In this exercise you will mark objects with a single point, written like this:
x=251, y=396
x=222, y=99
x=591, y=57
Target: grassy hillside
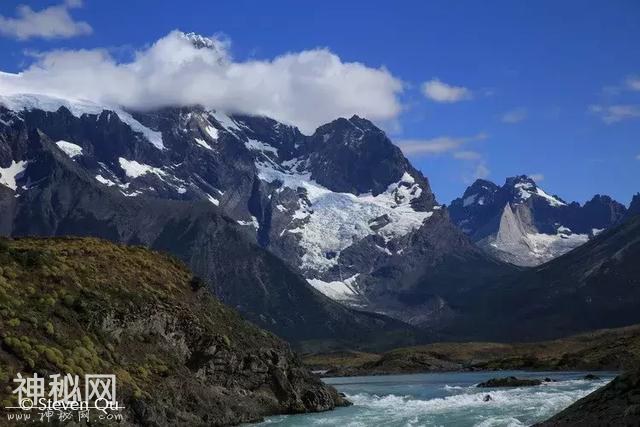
x=609, y=349
x=87, y=306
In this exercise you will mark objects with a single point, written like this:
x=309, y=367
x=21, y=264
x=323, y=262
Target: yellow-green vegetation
x=49, y=289
x=609, y=349
x=80, y=306
x=341, y=359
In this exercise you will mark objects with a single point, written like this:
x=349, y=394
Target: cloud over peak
x=439, y=91
x=49, y=23
x=306, y=88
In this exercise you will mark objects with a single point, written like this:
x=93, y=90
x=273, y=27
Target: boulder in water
x=509, y=382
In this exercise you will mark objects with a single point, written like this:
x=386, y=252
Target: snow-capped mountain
x=522, y=224
x=171, y=180
x=342, y=206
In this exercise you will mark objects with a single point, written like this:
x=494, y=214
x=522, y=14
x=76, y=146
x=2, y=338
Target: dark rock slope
x=616, y=404
x=80, y=306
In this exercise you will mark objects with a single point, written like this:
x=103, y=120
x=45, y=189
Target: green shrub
x=49, y=328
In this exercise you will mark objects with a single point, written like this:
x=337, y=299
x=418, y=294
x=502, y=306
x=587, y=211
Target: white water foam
x=431, y=400
x=541, y=401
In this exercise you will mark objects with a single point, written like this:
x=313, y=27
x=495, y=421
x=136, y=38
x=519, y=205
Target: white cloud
x=514, y=116
x=439, y=91
x=616, y=113
x=474, y=164
x=633, y=82
x=307, y=88
x=51, y=22
x=481, y=171
x=439, y=145
x=467, y=155
x=537, y=177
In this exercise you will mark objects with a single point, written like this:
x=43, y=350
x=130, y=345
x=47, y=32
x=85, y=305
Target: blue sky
x=546, y=88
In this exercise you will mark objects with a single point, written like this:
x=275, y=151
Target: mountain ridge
x=520, y=223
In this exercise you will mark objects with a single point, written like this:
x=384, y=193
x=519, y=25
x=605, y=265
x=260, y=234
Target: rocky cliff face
x=181, y=358
x=522, y=224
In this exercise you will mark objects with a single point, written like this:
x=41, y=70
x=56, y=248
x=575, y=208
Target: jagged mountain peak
x=483, y=183
x=355, y=126
x=634, y=206
x=364, y=124
x=603, y=211
x=601, y=198
x=519, y=179
x=479, y=191
x=199, y=41
x=523, y=188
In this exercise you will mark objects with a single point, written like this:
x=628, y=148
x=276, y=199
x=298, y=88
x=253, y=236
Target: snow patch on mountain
x=527, y=189
x=102, y=180
x=203, y=143
x=10, y=174
x=338, y=290
x=212, y=132
x=226, y=122
x=254, y=222
x=253, y=144
x=20, y=102
x=134, y=169
x=333, y=221
x=70, y=149
x=548, y=246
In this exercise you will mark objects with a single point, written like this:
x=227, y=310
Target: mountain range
x=329, y=240
x=522, y=224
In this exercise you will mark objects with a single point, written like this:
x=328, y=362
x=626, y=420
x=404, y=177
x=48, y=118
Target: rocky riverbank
x=180, y=357
x=616, y=404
